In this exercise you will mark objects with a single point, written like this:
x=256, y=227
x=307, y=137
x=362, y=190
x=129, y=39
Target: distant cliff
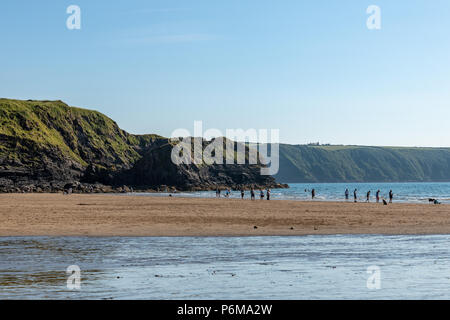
x=46, y=145
x=304, y=163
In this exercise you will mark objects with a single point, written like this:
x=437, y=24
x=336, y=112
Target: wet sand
x=122, y=215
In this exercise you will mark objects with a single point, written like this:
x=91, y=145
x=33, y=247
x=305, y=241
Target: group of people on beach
x=355, y=195
x=262, y=195
x=266, y=195
x=377, y=196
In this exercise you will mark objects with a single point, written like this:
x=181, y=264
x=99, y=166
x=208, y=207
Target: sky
x=311, y=69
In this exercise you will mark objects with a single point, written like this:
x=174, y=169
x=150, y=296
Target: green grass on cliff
x=83, y=135
x=304, y=163
x=21, y=121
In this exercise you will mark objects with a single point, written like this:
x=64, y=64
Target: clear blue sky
x=310, y=68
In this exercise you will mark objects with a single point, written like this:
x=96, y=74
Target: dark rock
x=87, y=152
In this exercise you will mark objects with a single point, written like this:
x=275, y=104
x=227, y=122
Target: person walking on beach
x=391, y=196
x=261, y=194
x=313, y=193
x=252, y=193
x=378, y=196
x=346, y=194
x=268, y=194
x=368, y=196
x=242, y=193
x=355, y=195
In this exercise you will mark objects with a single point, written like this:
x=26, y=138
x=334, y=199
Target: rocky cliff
x=46, y=145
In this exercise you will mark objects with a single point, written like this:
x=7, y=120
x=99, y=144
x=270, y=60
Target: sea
x=403, y=192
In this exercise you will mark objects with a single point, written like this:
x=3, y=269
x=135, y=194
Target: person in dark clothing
x=355, y=195
x=368, y=196
x=268, y=194
x=391, y=196
x=378, y=196
x=252, y=193
x=346, y=194
x=242, y=193
x=261, y=194
x=313, y=193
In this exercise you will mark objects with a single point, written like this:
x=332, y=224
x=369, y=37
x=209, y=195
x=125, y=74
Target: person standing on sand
x=368, y=196
x=242, y=193
x=391, y=196
x=252, y=193
x=313, y=193
x=268, y=194
x=346, y=194
x=261, y=194
x=355, y=195
x=378, y=196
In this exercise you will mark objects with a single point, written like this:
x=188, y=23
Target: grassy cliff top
x=331, y=163
x=80, y=134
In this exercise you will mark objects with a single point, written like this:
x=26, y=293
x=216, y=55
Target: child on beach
x=268, y=194
x=378, y=196
x=261, y=194
x=242, y=193
x=368, y=196
x=346, y=194
x=252, y=194
x=355, y=195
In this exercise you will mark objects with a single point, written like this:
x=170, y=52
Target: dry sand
x=120, y=215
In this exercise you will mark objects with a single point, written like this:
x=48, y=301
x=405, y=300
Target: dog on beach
x=433, y=201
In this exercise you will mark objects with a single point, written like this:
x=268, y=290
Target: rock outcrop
x=47, y=145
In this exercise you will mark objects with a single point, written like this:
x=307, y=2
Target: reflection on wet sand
x=308, y=267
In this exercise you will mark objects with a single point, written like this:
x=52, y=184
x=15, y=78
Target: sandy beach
x=120, y=215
